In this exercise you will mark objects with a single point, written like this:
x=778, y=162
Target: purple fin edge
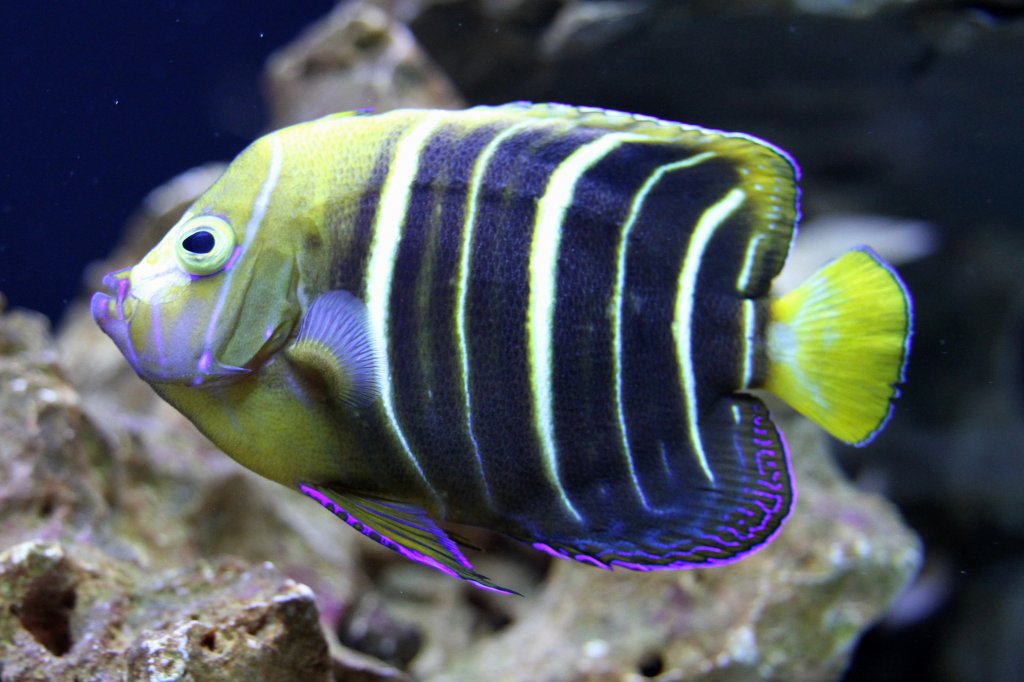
x=369, y=532
x=683, y=563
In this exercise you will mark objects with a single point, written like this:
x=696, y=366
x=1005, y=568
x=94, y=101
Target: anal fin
x=402, y=527
x=709, y=523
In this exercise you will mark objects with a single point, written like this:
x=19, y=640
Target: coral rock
x=73, y=613
x=358, y=57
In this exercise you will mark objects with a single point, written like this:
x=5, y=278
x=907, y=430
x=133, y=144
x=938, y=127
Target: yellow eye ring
x=205, y=244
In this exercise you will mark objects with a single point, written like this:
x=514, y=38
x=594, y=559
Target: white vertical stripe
x=749, y=331
x=743, y=281
x=617, y=295
x=682, y=323
x=387, y=234
x=252, y=228
x=547, y=235
x=462, y=287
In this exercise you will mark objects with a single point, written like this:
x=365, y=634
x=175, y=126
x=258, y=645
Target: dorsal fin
x=768, y=182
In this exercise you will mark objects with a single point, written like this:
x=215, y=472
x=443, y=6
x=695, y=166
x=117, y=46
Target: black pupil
x=199, y=242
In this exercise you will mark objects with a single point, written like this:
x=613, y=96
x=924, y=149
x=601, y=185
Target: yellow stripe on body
x=547, y=234
x=387, y=233
x=462, y=286
x=709, y=221
x=616, y=303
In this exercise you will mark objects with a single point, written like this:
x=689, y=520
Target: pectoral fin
x=402, y=527
x=334, y=345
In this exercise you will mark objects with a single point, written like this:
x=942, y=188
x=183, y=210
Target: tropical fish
x=537, y=319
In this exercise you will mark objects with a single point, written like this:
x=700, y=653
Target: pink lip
x=104, y=306
x=109, y=311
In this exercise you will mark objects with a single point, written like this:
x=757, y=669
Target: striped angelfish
x=537, y=319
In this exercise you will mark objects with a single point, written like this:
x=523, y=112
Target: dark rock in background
x=902, y=105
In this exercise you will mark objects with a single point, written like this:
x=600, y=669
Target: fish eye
x=199, y=243
x=205, y=244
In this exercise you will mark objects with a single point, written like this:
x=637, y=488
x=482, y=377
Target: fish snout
x=117, y=302
x=112, y=309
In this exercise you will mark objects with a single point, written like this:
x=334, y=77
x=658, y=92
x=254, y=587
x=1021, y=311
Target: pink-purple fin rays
x=334, y=343
x=402, y=527
x=740, y=514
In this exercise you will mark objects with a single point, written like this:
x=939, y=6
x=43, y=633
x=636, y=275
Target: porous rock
x=75, y=613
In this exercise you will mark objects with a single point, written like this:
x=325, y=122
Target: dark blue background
x=104, y=101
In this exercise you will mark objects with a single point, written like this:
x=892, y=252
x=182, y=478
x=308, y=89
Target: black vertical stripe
x=353, y=243
x=496, y=313
x=653, y=400
x=592, y=462
x=427, y=393
x=348, y=270
x=411, y=367
x=717, y=322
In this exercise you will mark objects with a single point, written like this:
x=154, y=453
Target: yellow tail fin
x=838, y=345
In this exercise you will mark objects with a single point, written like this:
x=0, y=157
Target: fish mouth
x=108, y=306
x=156, y=354
x=112, y=310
